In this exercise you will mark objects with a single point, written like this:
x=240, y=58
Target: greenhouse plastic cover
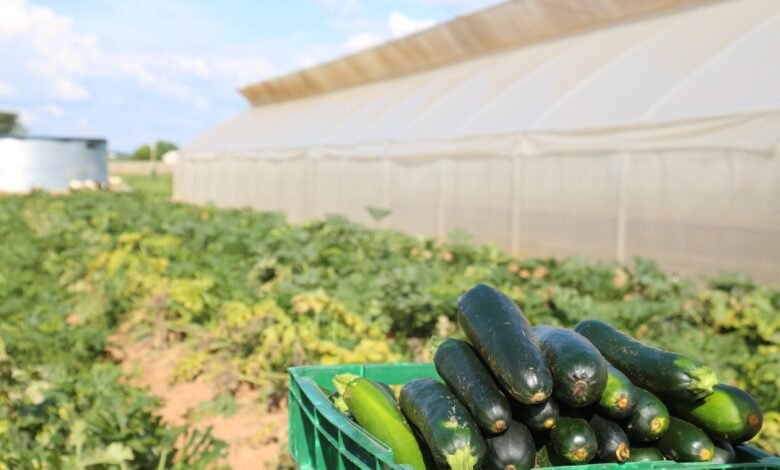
x=607, y=132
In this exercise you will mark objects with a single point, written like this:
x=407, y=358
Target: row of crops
x=248, y=295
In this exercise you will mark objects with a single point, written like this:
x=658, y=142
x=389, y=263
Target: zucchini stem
x=341, y=381
x=702, y=380
x=462, y=459
x=622, y=453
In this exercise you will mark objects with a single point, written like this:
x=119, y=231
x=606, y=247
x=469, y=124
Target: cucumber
x=685, y=442
x=573, y=440
x=380, y=416
x=611, y=439
x=729, y=414
x=619, y=397
x=664, y=373
x=466, y=376
x=724, y=453
x=512, y=450
x=445, y=424
x=501, y=334
x=579, y=371
x=539, y=417
x=645, y=454
x=650, y=418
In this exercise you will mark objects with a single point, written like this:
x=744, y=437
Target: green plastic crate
x=322, y=438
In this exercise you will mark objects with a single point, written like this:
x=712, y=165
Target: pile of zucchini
x=516, y=396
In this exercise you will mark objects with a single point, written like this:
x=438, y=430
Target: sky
x=135, y=71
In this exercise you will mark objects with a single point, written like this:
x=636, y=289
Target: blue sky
x=136, y=71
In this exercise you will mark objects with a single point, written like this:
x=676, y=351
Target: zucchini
x=541, y=441
x=554, y=458
x=445, y=424
x=685, y=442
x=645, y=454
x=579, y=371
x=619, y=397
x=664, y=373
x=650, y=418
x=724, y=453
x=502, y=336
x=729, y=414
x=512, y=450
x=426, y=452
x=539, y=417
x=380, y=416
x=384, y=388
x=611, y=439
x=573, y=440
x=542, y=457
x=466, y=376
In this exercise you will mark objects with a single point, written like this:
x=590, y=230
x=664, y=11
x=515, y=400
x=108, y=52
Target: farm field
x=141, y=333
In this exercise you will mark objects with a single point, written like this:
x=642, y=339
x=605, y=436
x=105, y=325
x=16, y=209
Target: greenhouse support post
x=441, y=216
x=515, y=205
x=620, y=224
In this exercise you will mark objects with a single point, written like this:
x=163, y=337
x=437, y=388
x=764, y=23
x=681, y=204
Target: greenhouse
x=596, y=127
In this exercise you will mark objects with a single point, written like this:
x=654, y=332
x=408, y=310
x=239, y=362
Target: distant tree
x=10, y=125
x=144, y=152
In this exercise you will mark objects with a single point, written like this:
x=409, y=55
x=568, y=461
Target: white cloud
x=363, y=41
x=239, y=70
x=68, y=90
x=27, y=118
x=7, y=90
x=54, y=110
x=461, y=4
x=196, y=66
x=342, y=7
x=150, y=71
x=13, y=17
x=401, y=25
x=396, y=26
x=47, y=46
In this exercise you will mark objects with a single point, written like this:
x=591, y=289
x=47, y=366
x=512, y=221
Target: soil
x=254, y=435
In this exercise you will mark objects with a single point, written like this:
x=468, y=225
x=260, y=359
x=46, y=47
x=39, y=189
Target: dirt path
x=254, y=435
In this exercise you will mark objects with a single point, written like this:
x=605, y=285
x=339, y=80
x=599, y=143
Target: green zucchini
x=466, y=376
x=542, y=457
x=380, y=416
x=539, y=417
x=645, y=454
x=445, y=424
x=729, y=414
x=724, y=453
x=426, y=452
x=685, y=442
x=573, y=440
x=501, y=334
x=384, y=388
x=619, y=397
x=554, y=458
x=541, y=441
x=664, y=373
x=579, y=371
x=612, y=440
x=650, y=418
x=512, y=450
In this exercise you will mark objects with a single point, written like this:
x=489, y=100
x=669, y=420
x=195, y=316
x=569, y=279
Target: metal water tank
x=50, y=162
